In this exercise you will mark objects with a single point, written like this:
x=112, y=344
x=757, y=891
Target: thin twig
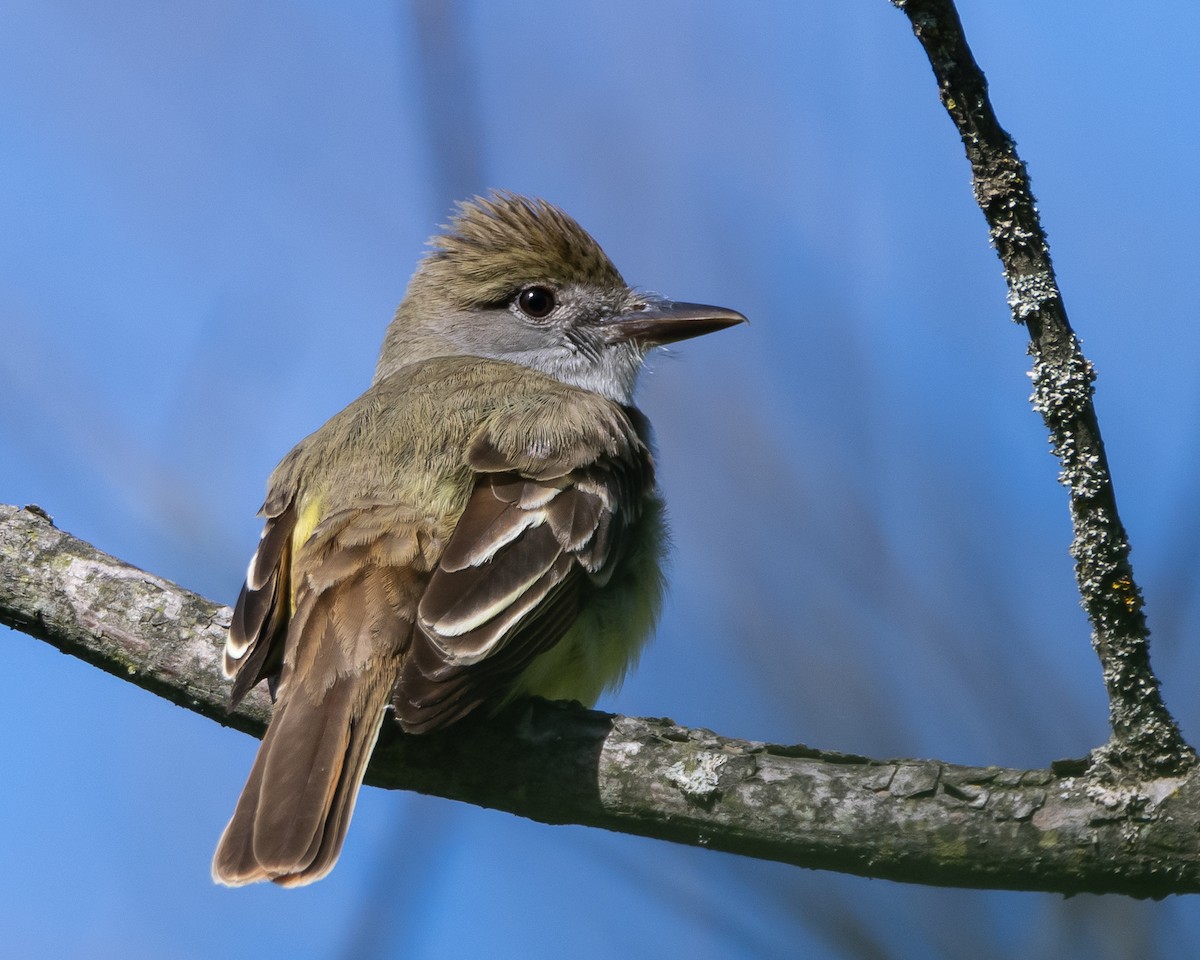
x=1145, y=738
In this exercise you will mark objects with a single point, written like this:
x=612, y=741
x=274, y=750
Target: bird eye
x=537, y=302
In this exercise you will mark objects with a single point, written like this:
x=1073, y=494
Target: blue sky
x=208, y=216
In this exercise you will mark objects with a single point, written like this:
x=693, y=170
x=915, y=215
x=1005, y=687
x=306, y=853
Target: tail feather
x=328, y=841
x=234, y=864
x=291, y=819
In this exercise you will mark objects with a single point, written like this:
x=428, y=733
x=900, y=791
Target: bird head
x=516, y=279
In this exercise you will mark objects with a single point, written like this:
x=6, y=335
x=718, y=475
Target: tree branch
x=1145, y=741
x=913, y=820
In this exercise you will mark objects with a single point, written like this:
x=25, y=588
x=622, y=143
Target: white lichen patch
x=1141, y=800
x=626, y=749
x=1062, y=385
x=1028, y=294
x=698, y=777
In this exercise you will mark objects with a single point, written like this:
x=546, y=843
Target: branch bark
x=1145, y=740
x=920, y=821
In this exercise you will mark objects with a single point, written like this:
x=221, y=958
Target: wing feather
x=541, y=530
x=254, y=647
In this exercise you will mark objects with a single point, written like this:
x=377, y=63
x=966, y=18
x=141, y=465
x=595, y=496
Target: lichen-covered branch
x=125, y=621
x=1145, y=738
x=919, y=821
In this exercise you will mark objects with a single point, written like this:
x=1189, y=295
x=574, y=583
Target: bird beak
x=663, y=321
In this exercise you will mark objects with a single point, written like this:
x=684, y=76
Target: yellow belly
x=607, y=638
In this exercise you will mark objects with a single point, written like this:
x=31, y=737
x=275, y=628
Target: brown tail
x=292, y=816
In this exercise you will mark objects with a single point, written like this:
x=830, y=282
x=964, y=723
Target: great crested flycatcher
x=482, y=523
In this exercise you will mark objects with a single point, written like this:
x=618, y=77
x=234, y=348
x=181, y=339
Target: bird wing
x=254, y=647
x=545, y=524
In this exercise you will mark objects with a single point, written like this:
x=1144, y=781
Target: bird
x=481, y=524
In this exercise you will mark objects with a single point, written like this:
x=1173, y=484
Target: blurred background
x=208, y=213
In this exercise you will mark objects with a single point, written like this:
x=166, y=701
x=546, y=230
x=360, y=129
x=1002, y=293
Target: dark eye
x=537, y=302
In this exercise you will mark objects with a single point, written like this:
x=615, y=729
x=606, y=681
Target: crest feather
x=503, y=239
